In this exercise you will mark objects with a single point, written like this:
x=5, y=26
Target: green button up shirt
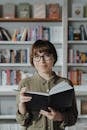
x=32, y=120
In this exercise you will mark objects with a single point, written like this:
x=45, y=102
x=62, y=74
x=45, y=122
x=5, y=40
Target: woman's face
x=43, y=62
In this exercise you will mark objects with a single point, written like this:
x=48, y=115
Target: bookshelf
x=7, y=94
x=76, y=63
x=63, y=66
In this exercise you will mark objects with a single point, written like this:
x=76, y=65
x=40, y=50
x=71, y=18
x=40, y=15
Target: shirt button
x=49, y=127
x=47, y=90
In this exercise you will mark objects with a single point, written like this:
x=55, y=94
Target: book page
x=38, y=93
x=60, y=87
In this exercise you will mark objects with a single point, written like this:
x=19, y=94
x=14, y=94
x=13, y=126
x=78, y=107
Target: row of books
x=22, y=56
x=52, y=33
x=76, y=56
x=12, y=77
x=13, y=56
x=77, y=33
x=77, y=77
x=27, y=10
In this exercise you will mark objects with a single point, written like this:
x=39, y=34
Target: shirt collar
x=53, y=78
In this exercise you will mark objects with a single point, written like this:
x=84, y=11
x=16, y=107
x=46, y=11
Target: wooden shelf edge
x=29, y=20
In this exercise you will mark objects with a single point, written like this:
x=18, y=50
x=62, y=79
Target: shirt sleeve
x=22, y=119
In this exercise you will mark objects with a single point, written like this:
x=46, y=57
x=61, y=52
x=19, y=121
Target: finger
x=25, y=99
x=45, y=113
x=50, y=109
x=23, y=90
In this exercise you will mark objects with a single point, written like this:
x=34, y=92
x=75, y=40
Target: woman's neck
x=46, y=76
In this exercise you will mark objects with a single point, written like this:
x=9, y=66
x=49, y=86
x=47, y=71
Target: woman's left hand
x=52, y=115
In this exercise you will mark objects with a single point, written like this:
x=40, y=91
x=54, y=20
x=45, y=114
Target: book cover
x=85, y=10
x=46, y=33
x=60, y=56
x=74, y=76
x=4, y=34
x=23, y=10
x=9, y=10
x=56, y=34
x=1, y=12
x=84, y=78
x=59, y=97
x=77, y=10
x=53, y=11
x=39, y=10
x=24, y=35
x=83, y=106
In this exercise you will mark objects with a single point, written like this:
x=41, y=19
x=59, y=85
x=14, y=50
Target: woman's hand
x=52, y=115
x=22, y=100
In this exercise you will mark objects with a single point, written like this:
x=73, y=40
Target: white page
x=60, y=87
x=38, y=93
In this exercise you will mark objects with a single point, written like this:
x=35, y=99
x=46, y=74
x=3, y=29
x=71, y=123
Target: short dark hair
x=42, y=46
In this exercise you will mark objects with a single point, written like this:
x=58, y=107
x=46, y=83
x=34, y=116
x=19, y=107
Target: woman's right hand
x=24, y=98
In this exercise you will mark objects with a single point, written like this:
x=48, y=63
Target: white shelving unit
x=7, y=94
x=74, y=45
x=6, y=91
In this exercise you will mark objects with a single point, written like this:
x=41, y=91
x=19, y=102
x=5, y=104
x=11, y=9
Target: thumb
x=50, y=109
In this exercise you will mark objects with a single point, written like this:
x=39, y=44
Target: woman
x=43, y=57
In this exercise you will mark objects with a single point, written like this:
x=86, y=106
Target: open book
x=59, y=97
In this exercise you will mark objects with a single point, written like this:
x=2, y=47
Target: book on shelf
x=60, y=56
x=84, y=78
x=46, y=33
x=56, y=34
x=4, y=34
x=85, y=11
x=23, y=10
x=1, y=7
x=83, y=57
x=77, y=10
x=59, y=97
x=24, y=35
x=53, y=11
x=9, y=10
x=75, y=76
x=39, y=10
x=83, y=106
x=14, y=35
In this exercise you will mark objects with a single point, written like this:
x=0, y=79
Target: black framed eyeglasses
x=45, y=57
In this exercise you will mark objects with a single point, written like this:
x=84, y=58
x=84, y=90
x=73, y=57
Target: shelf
x=77, y=42
x=8, y=90
x=9, y=117
x=22, y=43
x=80, y=90
x=77, y=19
x=77, y=64
x=21, y=65
x=29, y=20
x=15, y=64
x=82, y=117
x=16, y=42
